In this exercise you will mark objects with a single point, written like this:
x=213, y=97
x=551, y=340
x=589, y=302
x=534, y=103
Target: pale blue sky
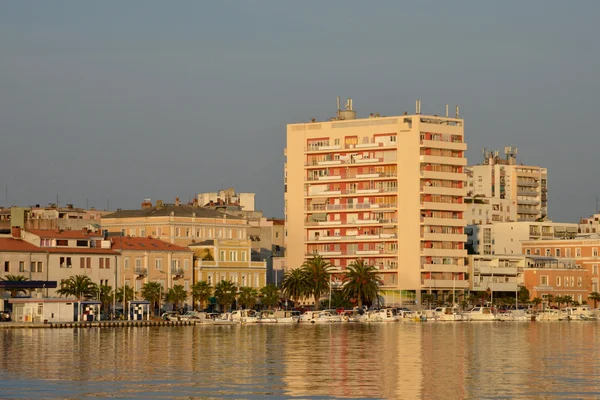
x=126, y=100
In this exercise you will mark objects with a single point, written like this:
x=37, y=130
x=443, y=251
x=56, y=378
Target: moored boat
x=482, y=314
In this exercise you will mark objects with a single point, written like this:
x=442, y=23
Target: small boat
x=245, y=316
x=317, y=317
x=482, y=314
x=383, y=315
x=268, y=317
x=551, y=314
x=286, y=317
x=580, y=313
x=450, y=314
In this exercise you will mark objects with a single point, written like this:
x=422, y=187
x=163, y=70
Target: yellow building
x=228, y=260
x=146, y=260
x=176, y=223
x=388, y=190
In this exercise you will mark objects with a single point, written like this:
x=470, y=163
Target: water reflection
x=431, y=360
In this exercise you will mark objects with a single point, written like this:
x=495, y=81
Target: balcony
x=353, y=253
x=141, y=272
x=350, y=192
x=444, y=237
x=444, y=268
x=443, y=160
x=524, y=210
x=441, y=144
x=528, y=202
x=177, y=272
x=496, y=286
x=334, y=238
x=443, y=252
x=444, y=283
x=487, y=270
x=366, y=145
x=349, y=161
x=527, y=193
x=441, y=190
x=427, y=205
x=453, y=176
x=350, y=207
x=527, y=183
x=443, y=221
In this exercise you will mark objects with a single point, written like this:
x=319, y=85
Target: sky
x=108, y=103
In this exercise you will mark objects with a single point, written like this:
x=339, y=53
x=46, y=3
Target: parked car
x=5, y=316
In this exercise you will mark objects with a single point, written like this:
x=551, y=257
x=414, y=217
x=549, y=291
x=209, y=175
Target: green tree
x=559, y=300
x=428, y=298
x=225, y=292
x=78, y=286
x=361, y=282
x=129, y=294
x=247, y=297
x=316, y=271
x=176, y=295
x=295, y=285
x=550, y=299
x=15, y=278
x=201, y=292
x=595, y=297
x=152, y=292
x=536, y=301
x=105, y=295
x=567, y=300
x=523, y=295
x=269, y=295
x=339, y=300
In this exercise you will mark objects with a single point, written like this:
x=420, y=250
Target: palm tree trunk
x=317, y=298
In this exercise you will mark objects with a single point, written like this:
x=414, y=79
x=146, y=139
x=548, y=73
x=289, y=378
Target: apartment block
x=520, y=190
x=175, y=223
x=388, y=190
x=558, y=276
x=496, y=273
x=507, y=237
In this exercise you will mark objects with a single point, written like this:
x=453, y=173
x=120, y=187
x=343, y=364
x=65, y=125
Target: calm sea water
x=399, y=361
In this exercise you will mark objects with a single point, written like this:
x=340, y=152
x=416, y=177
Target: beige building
x=388, y=190
x=245, y=201
x=507, y=237
x=175, y=223
x=228, y=260
x=520, y=191
x=496, y=273
x=146, y=260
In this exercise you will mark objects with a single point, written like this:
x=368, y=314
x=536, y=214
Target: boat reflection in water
x=383, y=360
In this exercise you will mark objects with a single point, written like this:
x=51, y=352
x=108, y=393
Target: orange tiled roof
x=143, y=243
x=78, y=250
x=63, y=234
x=18, y=245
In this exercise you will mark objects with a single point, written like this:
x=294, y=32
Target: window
x=62, y=242
x=557, y=252
x=158, y=264
x=243, y=279
x=595, y=252
x=209, y=279
x=243, y=256
x=256, y=280
x=222, y=255
x=138, y=263
x=126, y=263
x=233, y=256
x=132, y=232
x=537, y=252
x=566, y=281
x=61, y=262
x=544, y=280
x=547, y=252
x=393, y=139
x=187, y=232
x=159, y=231
x=6, y=266
x=595, y=269
x=81, y=262
x=107, y=263
x=177, y=231
x=186, y=285
x=39, y=266
x=528, y=251
x=558, y=281
x=21, y=266
x=229, y=233
x=186, y=264
x=88, y=262
x=69, y=263
x=567, y=252
x=82, y=243
x=572, y=281
x=32, y=267
x=579, y=281
x=578, y=252
x=142, y=232
x=101, y=263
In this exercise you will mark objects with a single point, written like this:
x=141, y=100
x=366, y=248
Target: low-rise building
x=496, y=273
x=506, y=237
x=146, y=260
x=228, y=260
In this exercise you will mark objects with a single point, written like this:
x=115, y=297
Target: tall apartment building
x=388, y=190
x=519, y=192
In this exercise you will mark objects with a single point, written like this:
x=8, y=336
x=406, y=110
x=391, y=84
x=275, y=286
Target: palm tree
x=340, y=300
x=361, y=282
x=152, y=292
x=15, y=278
x=247, y=297
x=316, y=271
x=523, y=295
x=225, y=292
x=269, y=295
x=201, y=291
x=177, y=294
x=295, y=285
x=595, y=297
x=105, y=295
x=78, y=286
x=550, y=299
x=536, y=301
x=559, y=300
x=129, y=293
x=567, y=300
x=428, y=298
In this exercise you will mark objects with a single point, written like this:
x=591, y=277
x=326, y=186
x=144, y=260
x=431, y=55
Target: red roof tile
x=79, y=250
x=143, y=243
x=18, y=245
x=63, y=234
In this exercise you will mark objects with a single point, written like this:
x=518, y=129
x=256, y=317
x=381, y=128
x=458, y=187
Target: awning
x=319, y=201
x=318, y=217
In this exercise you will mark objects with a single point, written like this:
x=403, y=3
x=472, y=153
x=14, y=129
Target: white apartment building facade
x=388, y=190
x=519, y=191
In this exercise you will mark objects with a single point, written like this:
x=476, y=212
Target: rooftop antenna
x=446, y=110
x=457, y=111
x=418, y=107
x=338, y=105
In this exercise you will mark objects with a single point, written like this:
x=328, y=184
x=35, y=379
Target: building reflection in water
x=397, y=360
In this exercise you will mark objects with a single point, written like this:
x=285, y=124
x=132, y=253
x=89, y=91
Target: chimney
x=176, y=201
x=147, y=203
x=16, y=232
